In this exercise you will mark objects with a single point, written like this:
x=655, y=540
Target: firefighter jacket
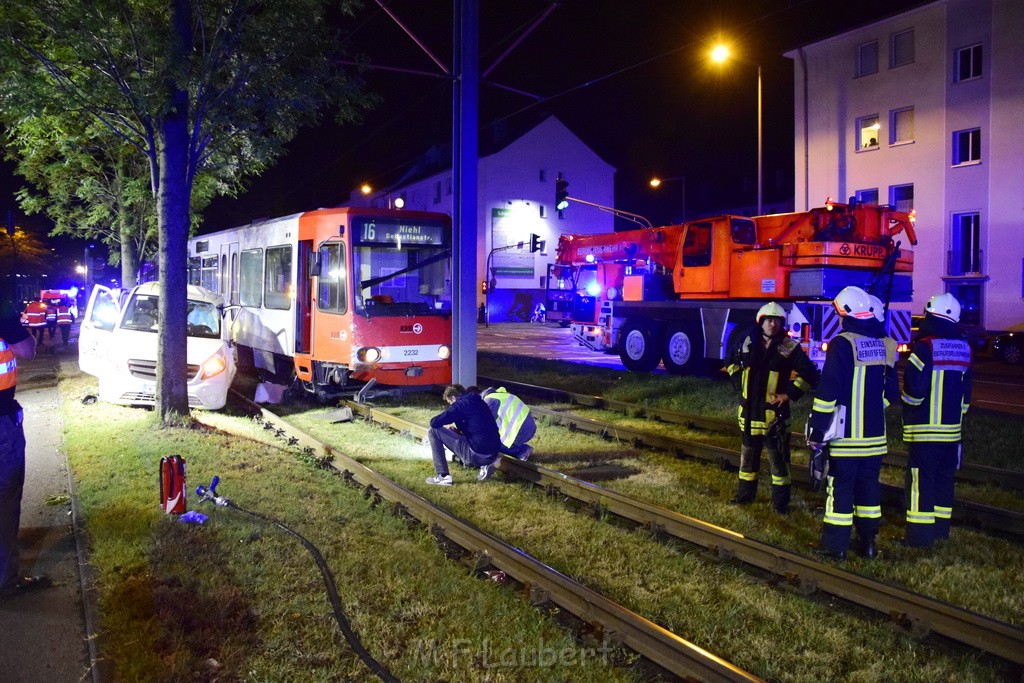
x=8, y=367
x=858, y=381
x=51, y=314
x=511, y=414
x=34, y=315
x=782, y=367
x=936, y=384
x=64, y=316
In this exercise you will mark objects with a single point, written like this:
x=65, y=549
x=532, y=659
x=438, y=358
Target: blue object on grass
x=193, y=517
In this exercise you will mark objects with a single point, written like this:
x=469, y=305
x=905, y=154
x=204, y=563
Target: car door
x=94, y=336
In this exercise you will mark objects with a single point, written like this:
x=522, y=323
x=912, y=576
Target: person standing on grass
x=15, y=342
x=936, y=394
x=770, y=370
x=857, y=383
x=474, y=442
x=516, y=425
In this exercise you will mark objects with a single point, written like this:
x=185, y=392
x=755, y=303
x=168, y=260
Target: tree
x=193, y=85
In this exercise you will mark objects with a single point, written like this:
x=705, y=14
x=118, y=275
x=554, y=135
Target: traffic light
x=561, y=194
x=535, y=244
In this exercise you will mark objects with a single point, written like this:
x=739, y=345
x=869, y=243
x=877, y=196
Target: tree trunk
x=129, y=259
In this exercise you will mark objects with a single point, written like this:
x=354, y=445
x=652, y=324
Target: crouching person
x=474, y=442
x=516, y=425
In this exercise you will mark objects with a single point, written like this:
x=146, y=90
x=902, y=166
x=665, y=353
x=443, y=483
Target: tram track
x=970, y=473
x=917, y=613
x=662, y=647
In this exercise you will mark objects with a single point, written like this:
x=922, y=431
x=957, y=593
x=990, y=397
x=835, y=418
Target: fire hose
x=376, y=667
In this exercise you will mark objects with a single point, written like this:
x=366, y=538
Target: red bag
x=172, y=485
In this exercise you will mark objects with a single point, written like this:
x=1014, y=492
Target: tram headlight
x=612, y=293
x=368, y=354
x=444, y=352
x=213, y=366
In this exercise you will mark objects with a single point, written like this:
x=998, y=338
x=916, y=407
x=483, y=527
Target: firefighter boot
x=746, y=490
x=865, y=546
x=780, y=498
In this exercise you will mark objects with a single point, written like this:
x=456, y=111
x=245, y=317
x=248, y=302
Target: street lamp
x=720, y=54
x=656, y=182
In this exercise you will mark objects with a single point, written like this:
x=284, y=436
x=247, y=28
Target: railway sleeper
x=913, y=626
x=795, y=583
x=401, y=511
x=451, y=549
x=657, y=531
x=719, y=554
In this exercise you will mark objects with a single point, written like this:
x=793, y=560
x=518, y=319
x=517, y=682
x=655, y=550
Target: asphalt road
x=997, y=386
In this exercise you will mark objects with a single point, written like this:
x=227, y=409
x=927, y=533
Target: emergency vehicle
x=677, y=294
x=117, y=344
x=337, y=299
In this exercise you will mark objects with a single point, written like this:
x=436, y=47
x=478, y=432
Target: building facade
x=925, y=111
x=515, y=198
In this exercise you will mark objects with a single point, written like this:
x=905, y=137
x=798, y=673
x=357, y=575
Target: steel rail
x=977, y=515
x=971, y=473
x=918, y=613
x=645, y=637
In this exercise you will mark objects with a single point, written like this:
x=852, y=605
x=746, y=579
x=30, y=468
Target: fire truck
x=680, y=294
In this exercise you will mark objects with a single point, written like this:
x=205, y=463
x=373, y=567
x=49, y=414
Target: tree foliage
x=195, y=86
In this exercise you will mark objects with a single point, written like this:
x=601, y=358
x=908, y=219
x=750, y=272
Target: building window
x=867, y=196
x=967, y=146
x=968, y=63
x=867, y=59
x=901, y=126
x=969, y=295
x=543, y=212
x=901, y=197
x=965, y=256
x=867, y=132
x=902, y=49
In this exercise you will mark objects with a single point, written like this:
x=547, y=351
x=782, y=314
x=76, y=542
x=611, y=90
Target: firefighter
x=857, y=382
x=936, y=394
x=770, y=370
x=51, y=317
x=34, y=318
x=64, y=319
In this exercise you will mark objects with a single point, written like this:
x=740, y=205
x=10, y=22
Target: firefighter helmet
x=854, y=302
x=877, y=307
x=944, y=306
x=771, y=309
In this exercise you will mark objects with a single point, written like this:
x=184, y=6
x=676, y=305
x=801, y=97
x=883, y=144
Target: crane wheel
x=682, y=349
x=638, y=345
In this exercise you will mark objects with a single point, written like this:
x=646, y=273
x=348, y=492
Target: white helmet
x=944, y=306
x=877, y=307
x=771, y=309
x=854, y=302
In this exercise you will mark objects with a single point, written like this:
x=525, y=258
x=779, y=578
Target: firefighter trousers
x=854, y=500
x=931, y=470
x=750, y=466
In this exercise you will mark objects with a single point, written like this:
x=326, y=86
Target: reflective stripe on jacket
x=780, y=368
x=8, y=367
x=936, y=390
x=64, y=315
x=512, y=413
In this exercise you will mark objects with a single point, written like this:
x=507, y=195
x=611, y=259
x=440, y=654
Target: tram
x=338, y=299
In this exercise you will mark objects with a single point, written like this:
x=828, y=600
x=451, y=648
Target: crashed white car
x=118, y=345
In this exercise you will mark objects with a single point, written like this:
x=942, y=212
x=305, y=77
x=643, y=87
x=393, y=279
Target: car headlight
x=368, y=354
x=213, y=366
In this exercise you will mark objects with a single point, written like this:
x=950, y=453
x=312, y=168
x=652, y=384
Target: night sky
x=630, y=77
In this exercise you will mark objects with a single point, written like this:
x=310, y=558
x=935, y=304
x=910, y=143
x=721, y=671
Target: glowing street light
x=656, y=182
x=721, y=53
x=365, y=188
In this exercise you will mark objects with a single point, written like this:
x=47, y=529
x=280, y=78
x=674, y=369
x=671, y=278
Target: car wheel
x=1012, y=354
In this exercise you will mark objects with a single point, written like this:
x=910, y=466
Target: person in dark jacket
x=771, y=370
x=936, y=394
x=475, y=441
x=858, y=381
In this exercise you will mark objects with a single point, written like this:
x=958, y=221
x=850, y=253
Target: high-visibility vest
x=51, y=314
x=512, y=413
x=34, y=315
x=63, y=315
x=8, y=367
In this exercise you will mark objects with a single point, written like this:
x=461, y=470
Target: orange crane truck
x=677, y=294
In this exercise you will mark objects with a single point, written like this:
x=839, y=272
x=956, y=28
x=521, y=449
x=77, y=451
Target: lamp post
x=656, y=182
x=719, y=54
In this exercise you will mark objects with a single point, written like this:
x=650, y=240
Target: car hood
x=132, y=344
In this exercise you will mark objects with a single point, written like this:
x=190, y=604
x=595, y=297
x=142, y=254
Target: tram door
x=304, y=298
x=229, y=272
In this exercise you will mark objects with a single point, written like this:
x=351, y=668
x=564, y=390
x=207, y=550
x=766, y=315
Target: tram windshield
x=402, y=267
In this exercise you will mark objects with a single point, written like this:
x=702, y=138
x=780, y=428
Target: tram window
x=333, y=279
x=250, y=287
x=209, y=279
x=278, y=280
x=194, y=274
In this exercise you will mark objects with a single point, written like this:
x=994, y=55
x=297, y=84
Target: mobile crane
x=677, y=294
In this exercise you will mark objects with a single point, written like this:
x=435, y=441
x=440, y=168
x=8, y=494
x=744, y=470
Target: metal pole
x=760, y=160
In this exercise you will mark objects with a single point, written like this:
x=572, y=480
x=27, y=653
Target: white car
x=118, y=345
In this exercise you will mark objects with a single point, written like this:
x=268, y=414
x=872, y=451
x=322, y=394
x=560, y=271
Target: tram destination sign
x=399, y=233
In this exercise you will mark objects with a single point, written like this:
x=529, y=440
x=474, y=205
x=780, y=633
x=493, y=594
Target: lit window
x=867, y=132
x=967, y=63
x=967, y=146
x=902, y=125
x=867, y=59
x=902, y=49
x=902, y=197
x=965, y=256
x=867, y=196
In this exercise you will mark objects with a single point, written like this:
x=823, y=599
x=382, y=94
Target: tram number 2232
x=411, y=352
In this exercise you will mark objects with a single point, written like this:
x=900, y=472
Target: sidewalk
x=44, y=637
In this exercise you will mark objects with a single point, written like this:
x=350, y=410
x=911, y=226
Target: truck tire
x=638, y=345
x=683, y=349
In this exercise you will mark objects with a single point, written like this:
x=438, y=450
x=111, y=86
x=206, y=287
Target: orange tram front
x=334, y=299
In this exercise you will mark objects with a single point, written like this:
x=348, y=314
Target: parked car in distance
x=1009, y=346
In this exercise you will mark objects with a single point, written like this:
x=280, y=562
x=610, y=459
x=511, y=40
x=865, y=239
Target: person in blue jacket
x=474, y=442
x=858, y=381
x=936, y=394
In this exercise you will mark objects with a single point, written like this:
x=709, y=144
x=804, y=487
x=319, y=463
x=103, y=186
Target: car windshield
x=203, y=318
